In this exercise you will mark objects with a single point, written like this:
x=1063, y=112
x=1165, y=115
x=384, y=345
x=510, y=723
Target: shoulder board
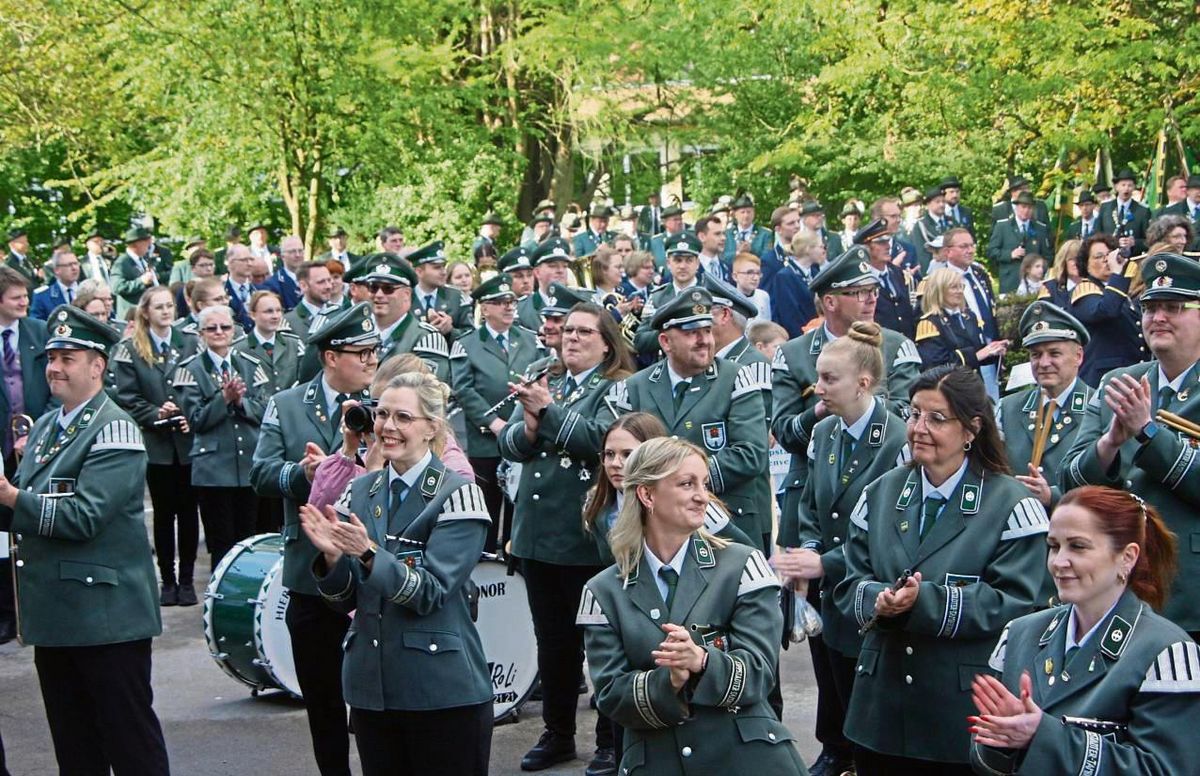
x=1176, y=669
x=249, y=357
x=183, y=376
x=271, y=413
x=756, y=574
x=287, y=333
x=1085, y=288
x=921, y=286
x=979, y=269
x=1004, y=220
x=260, y=376
x=119, y=434
x=121, y=353
x=907, y=352
x=659, y=287
x=590, y=612
x=859, y=516
x=750, y=378
x=465, y=298
x=618, y=398
x=1027, y=518
x=433, y=343
x=466, y=503
x=1043, y=292
x=457, y=350
x=342, y=505
x=996, y=661
x=427, y=326
x=927, y=329
x=715, y=517
x=285, y=327
x=779, y=361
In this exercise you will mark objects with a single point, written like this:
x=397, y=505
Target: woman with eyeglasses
x=220, y=393
x=398, y=549
x=940, y=555
x=949, y=331
x=683, y=631
x=144, y=365
x=1103, y=684
x=554, y=432
x=1104, y=303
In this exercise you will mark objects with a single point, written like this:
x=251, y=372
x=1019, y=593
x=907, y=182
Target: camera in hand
x=360, y=418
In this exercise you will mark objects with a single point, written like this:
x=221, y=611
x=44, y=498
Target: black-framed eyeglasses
x=365, y=356
x=861, y=294
x=579, y=331
x=400, y=418
x=216, y=327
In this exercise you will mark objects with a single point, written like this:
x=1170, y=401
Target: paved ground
x=214, y=727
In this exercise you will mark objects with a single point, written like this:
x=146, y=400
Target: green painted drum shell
x=230, y=608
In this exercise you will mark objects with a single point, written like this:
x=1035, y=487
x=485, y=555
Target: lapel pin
x=655, y=613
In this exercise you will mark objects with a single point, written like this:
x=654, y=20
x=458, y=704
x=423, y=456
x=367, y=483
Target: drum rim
x=259, y=604
x=210, y=591
x=522, y=699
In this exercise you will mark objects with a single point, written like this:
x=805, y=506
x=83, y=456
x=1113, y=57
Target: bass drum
x=506, y=630
x=244, y=609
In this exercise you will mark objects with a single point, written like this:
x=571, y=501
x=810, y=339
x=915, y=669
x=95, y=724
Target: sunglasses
x=216, y=327
x=387, y=288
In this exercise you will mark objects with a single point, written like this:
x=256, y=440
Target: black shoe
x=187, y=594
x=8, y=631
x=169, y=595
x=551, y=749
x=604, y=763
x=830, y=764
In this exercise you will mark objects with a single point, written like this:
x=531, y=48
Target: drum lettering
x=281, y=607
x=503, y=675
x=493, y=590
x=505, y=697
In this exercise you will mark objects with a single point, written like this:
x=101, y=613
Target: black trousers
x=228, y=515
x=831, y=713
x=270, y=515
x=869, y=763
x=100, y=708
x=842, y=669
x=317, y=633
x=455, y=742
x=554, y=593
x=495, y=499
x=174, y=502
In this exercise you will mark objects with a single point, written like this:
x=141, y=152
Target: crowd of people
x=998, y=552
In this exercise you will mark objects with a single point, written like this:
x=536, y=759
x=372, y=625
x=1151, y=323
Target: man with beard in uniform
x=391, y=281
x=300, y=427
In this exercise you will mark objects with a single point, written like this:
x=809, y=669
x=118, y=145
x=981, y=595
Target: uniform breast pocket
x=767, y=730
x=205, y=447
x=86, y=592
x=87, y=574
x=433, y=642
x=867, y=658
x=291, y=532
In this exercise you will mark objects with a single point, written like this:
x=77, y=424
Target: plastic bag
x=806, y=622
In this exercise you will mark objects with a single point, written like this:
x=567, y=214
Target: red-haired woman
x=1102, y=685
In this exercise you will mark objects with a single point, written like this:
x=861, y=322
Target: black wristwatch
x=367, y=556
x=1146, y=432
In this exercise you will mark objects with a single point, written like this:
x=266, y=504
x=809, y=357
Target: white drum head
x=271, y=636
x=506, y=630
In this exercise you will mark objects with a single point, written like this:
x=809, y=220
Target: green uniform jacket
x=415, y=336
x=1158, y=471
x=980, y=567
x=127, y=285
x=832, y=490
x=223, y=435
x=529, y=312
x=743, y=353
x=720, y=722
x=81, y=560
x=293, y=418
x=556, y=472
x=1016, y=416
x=481, y=374
x=794, y=378
x=454, y=303
x=658, y=247
x=143, y=387
x=412, y=645
x=722, y=412
x=282, y=366
x=586, y=242
x=1126, y=704
x=760, y=241
x=298, y=319
x=1005, y=239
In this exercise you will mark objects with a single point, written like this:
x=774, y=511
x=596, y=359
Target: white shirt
x=857, y=428
x=494, y=334
x=580, y=377
x=724, y=352
x=945, y=490
x=680, y=289
x=969, y=290
x=1073, y=639
x=711, y=265
x=308, y=306
x=1063, y=399
x=411, y=477
x=65, y=419
x=264, y=340
x=16, y=335
x=677, y=379
x=331, y=403
x=1175, y=384
x=385, y=333
x=160, y=341
x=655, y=564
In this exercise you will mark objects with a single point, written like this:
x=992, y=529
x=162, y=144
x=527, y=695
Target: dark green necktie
x=1070, y=654
x=929, y=514
x=568, y=387
x=500, y=341
x=399, y=491
x=680, y=389
x=671, y=577
x=1166, y=395
x=847, y=449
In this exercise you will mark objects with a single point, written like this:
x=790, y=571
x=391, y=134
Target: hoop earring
x=967, y=446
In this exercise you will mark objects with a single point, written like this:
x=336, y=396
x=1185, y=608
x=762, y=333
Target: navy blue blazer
x=31, y=342
x=289, y=290
x=45, y=300
x=773, y=259
x=1115, y=324
x=240, y=313
x=893, y=308
x=792, y=299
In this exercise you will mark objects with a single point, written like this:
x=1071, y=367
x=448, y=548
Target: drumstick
x=1178, y=423
x=1041, y=433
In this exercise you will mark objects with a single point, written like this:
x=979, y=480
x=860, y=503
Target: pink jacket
x=335, y=473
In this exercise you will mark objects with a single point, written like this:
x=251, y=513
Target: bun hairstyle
x=1127, y=519
x=862, y=344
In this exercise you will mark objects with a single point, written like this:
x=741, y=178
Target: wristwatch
x=367, y=556
x=1146, y=433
